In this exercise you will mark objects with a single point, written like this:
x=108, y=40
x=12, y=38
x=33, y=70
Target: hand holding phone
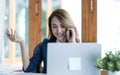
x=68, y=34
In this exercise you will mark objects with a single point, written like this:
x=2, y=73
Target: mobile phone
x=68, y=34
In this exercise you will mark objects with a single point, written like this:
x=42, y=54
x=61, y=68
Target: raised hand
x=12, y=35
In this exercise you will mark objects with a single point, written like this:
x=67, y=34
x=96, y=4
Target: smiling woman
x=62, y=21
x=13, y=54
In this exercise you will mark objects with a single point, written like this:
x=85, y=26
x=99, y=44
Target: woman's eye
x=54, y=26
x=62, y=26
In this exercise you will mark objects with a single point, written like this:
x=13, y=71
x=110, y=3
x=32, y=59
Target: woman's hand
x=12, y=35
x=72, y=38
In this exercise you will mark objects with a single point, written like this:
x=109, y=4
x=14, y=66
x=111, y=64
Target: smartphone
x=68, y=34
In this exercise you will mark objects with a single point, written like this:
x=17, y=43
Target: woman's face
x=58, y=29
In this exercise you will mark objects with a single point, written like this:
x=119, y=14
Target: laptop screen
x=73, y=58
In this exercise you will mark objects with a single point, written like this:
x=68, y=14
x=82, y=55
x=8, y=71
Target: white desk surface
x=19, y=73
x=10, y=67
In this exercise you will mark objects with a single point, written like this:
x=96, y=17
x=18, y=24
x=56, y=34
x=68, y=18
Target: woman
x=59, y=22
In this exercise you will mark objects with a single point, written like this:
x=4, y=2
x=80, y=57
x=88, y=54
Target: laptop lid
x=73, y=58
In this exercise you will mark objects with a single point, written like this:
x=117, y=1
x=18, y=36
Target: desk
x=19, y=73
x=10, y=67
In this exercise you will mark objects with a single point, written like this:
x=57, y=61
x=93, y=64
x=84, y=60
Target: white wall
x=108, y=23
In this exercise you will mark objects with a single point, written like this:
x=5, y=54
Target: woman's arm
x=14, y=38
x=25, y=57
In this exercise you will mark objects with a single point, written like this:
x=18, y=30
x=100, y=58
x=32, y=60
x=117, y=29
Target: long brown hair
x=64, y=17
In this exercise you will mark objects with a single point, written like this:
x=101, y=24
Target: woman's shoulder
x=45, y=41
x=49, y=40
x=41, y=44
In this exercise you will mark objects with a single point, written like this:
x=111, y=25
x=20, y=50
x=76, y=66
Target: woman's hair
x=64, y=17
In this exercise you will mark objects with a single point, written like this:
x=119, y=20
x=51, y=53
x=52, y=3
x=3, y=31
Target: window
x=47, y=7
x=13, y=54
x=74, y=9
x=2, y=19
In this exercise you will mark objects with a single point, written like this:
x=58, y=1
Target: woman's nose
x=59, y=30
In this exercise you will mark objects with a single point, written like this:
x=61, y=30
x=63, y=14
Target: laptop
x=73, y=58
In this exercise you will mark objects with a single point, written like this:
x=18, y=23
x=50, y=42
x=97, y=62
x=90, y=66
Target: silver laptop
x=73, y=58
